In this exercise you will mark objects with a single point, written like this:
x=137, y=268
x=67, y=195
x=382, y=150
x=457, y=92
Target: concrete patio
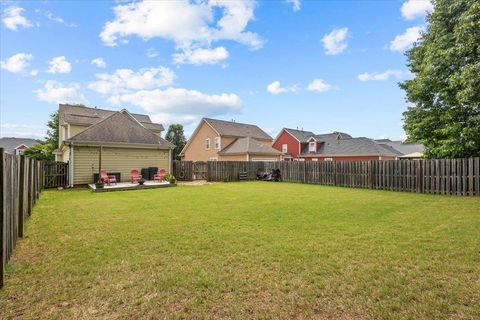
x=124, y=186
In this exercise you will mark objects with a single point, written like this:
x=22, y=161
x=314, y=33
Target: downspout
x=71, y=163
x=170, y=160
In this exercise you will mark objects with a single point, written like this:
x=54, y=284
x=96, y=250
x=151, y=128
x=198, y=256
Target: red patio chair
x=160, y=175
x=135, y=176
x=106, y=178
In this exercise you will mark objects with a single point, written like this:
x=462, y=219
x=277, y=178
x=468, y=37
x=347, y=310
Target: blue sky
x=318, y=65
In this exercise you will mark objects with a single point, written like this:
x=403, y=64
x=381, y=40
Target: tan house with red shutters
x=219, y=140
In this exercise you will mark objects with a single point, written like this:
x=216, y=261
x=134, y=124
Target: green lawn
x=247, y=250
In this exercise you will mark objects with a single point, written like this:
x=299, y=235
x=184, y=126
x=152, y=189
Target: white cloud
x=191, y=25
x=125, y=80
x=412, y=9
x=201, y=56
x=335, y=41
x=12, y=18
x=296, y=4
x=404, y=41
x=276, y=88
x=56, y=92
x=17, y=63
x=52, y=17
x=34, y=72
x=22, y=130
x=180, y=103
x=174, y=118
x=99, y=62
x=380, y=76
x=59, y=65
x=319, y=85
x=151, y=53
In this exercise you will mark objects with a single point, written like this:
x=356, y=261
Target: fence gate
x=183, y=170
x=200, y=170
x=56, y=174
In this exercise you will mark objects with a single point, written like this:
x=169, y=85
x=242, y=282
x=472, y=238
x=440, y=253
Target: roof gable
x=81, y=115
x=11, y=143
x=236, y=129
x=249, y=145
x=120, y=127
x=300, y=135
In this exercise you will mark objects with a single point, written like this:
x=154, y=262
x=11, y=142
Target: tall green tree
x=445, y=90
x=176, y=136
x=44, y=150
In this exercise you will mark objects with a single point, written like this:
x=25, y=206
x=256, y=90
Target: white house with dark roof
x=118, y=141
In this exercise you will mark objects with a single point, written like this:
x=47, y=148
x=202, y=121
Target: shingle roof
x=332, y=136
x=403, y=148
x=236, y=129
x=10, y=143
x=76, y=114
x=300, y=135
x=353, y=146
x=249, y=145
x=120, y=127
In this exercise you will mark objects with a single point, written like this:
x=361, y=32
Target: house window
x=217, y=143
x=314, y=159
x=207, y=144
x=213, y=159
x=284, y=148
x=312, y=146
x=328, y=159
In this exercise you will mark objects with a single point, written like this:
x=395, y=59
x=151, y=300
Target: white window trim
x=218, y=143
x=213, y=159
x=284, y=148
x=207, y=144
x=314, y=159
x=310, y=148
x=328, y=159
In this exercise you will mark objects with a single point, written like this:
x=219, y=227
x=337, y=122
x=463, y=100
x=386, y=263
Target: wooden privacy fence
x=441, y=176
x=21, y=180
x=56, y=174
x=183, y=170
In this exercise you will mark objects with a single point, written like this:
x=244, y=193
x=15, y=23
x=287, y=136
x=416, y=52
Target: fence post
x=371, y=174
x=29, y=186
x=3, y=222
x=21, y=197
x=334, y=173
x=419, y=174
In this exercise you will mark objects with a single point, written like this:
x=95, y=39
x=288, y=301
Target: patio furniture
x=160, y=175
x=118, y=176
x=106, y=178
x=134, y=176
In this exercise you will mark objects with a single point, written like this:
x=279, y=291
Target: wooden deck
x=124, y=186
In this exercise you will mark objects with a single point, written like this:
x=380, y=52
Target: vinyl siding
x=75, y=129
x=121, y=160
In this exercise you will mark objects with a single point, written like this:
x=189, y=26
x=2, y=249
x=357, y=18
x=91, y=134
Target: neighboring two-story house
x=299, y=145
x=118, y=141
x=221, y=140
